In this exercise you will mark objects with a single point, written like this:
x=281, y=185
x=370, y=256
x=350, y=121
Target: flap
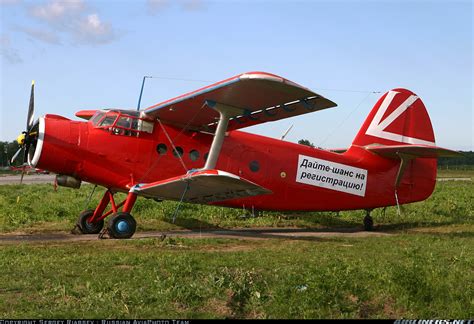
x=260, y=97
x=414, y=151
x=201, y=187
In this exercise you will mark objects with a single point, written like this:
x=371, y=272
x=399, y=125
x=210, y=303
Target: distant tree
x=7, y=149
x=305, y=142
x=460, y=162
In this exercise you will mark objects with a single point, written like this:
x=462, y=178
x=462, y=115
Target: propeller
x=29, y=136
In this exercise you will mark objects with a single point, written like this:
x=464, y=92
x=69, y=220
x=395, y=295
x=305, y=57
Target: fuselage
x=119, y=161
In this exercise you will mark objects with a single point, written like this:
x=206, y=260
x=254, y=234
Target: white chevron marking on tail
x=377, y=126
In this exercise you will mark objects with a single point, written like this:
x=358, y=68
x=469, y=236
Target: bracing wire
x=345, y=119
x=155, y=163
x=175, y=151
x=179, y=79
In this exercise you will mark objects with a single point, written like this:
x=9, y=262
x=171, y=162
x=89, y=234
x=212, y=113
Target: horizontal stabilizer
x=413, y=151
x=201, y=187
x=258, y=97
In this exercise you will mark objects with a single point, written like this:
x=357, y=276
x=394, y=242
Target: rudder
x=398, y=117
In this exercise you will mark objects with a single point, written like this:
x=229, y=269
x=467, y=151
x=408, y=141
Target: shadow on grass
x=328, y=219
x=411, y=225
x=192, y=223
x=195, y=227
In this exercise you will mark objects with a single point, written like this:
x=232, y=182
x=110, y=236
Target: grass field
x=424, y=269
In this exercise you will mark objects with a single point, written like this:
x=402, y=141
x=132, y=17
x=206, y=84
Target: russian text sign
x=331, y=175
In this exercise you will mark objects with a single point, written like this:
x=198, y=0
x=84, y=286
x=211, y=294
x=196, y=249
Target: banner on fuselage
x=331, y=175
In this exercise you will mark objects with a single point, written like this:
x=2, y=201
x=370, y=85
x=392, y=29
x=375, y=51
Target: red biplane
x=190, y=149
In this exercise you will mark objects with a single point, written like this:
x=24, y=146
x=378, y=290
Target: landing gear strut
x=368, y=221
x=121, y=224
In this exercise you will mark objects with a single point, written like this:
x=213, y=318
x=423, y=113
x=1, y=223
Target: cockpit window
x=122, y=123
x=108, y=120
x=97, y=117
x=145, y=126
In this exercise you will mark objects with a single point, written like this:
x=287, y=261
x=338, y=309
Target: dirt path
x=244, y=234
x=28, y=179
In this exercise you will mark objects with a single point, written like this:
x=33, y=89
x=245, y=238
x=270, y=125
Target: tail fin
x=398, y=117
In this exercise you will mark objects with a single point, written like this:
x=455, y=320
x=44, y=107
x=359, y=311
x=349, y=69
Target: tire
x=86, y=227
x=121, y=225
x=368, y=223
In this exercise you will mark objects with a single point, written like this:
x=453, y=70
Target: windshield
x=97, y=117
x=122, y=123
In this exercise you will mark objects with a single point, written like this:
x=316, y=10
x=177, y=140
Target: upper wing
x=260, y=97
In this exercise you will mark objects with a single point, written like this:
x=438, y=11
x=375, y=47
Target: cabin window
x=161, y=149
x=178, y=152
x=194, y=155
x=254, y=166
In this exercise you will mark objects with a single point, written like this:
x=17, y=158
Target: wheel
x=121, y=225
x=85, y=226
x=368, y=223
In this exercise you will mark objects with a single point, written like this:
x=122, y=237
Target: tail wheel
x=85, y=226
x=121, y=225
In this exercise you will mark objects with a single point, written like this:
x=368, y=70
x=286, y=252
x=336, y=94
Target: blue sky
x=93, y=54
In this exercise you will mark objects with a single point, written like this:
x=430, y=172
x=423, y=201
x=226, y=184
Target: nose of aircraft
x=51, y=142
x=58, y=145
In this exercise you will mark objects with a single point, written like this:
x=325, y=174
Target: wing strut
x=226, y=112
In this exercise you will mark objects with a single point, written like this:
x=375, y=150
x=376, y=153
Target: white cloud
x=70, y=20
x=8, y=52
x=57, y=10
x=92, y=30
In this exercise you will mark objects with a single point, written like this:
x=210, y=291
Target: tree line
x=445, y=163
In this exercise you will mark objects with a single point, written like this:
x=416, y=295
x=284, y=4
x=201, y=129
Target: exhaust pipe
x=68, y=181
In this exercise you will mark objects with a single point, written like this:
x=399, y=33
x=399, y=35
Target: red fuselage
x=118, y=162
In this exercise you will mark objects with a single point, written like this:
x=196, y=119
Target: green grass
x=40, y=208
x=409, y=276
x=423, y=270
x=455, y=173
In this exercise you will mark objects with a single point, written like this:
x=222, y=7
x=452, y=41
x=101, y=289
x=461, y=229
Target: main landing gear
x=368, y=221
x=121, y=224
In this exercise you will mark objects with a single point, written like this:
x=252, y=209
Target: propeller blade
x=31, y=108
x=16, y=155
x=25, y=154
